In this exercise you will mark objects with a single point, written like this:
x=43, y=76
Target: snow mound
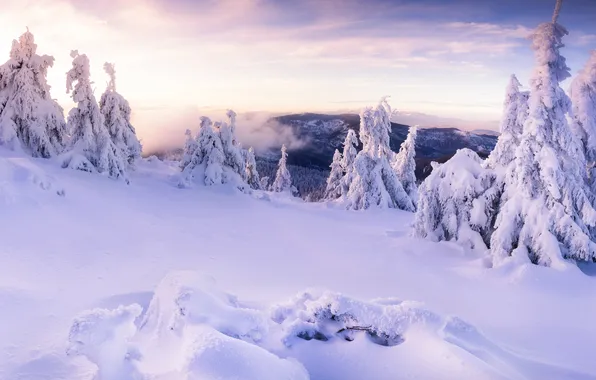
x=187, y=298
x=329, y=315
x=21, y=178
x=213, y=355
x=191, y=331
x=103, y=337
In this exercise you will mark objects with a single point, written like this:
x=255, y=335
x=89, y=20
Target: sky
x=177, y=59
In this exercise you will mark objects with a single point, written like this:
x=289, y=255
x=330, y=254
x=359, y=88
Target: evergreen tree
x=515, y=113
x=116, y=112
x=208, y=158
x=91, y=147
x=404, y=165
x=333, y=189
x=547, y=211
x=283, y=180
x=29, y=118
x=583, y=113
x=252, y=175
x=231, y=148
x=265, y=183
x=189, y=149
x=348, y=157
x=456, y=202
x=373, y=181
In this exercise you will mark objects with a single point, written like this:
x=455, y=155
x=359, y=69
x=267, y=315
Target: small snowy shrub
x=327, y=315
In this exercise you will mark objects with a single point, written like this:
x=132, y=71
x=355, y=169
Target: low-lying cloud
x=161, y=131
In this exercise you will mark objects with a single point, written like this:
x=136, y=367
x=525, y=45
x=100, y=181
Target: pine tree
x=252, y=175
x=189, y=149
x=116, y=112
x=283, y=180
x=547, y=212
x=348, y=157
x=372, y=180
x=583, y=113
x=405, y=165
x=29, y=118
x=515, y=113
x=333, y=189
x=91, y=147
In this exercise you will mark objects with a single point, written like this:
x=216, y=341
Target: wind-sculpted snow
x=192, y=330
x=185, y=298
x=21, y=179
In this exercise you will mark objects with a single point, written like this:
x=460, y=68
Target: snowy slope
x=102, y=244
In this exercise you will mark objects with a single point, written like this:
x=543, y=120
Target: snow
x=231, y=271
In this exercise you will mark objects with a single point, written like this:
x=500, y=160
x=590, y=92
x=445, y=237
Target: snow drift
x=191, y=330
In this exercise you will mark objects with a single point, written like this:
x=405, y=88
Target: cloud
x=257, y=129
x=279, y=55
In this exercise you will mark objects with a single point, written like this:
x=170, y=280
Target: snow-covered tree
x=251, y=173
x=91, y=147
x=208, y=158
x=29, y=118
x=116, y=112
x=349, y=152
x=515, y=113
x=231, y=148
x=583, y=113
x=283, y=180
x=457, y=202
x=547, y=211
x=333, y=189
x=348, y=157
x=189, y=149
x=373, y=181
x=264, y=183
x=404, y=165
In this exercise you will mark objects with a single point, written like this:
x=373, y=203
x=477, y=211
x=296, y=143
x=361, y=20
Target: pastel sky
x=450, y=58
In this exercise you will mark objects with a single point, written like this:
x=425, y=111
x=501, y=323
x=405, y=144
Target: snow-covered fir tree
x=231, y=148
x=348, y=157
x=29, y=118
x=251, y=173
x=372, y=180
x=265, y=183
x=116, y=112
x=404, y=165
x=515, y=113
x=283, y=180
x=333, y=189
x=460, y=199
x=189, y=149
x=456, y=202
x=91, y=147
x=547, y=213
x=208, y=158
x=583, y=113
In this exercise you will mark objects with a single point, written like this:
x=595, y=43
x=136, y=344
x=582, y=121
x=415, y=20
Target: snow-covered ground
x=72, y=242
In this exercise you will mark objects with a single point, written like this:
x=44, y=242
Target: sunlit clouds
x=284, y=56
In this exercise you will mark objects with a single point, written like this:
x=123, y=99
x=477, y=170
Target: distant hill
x=323, y=134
